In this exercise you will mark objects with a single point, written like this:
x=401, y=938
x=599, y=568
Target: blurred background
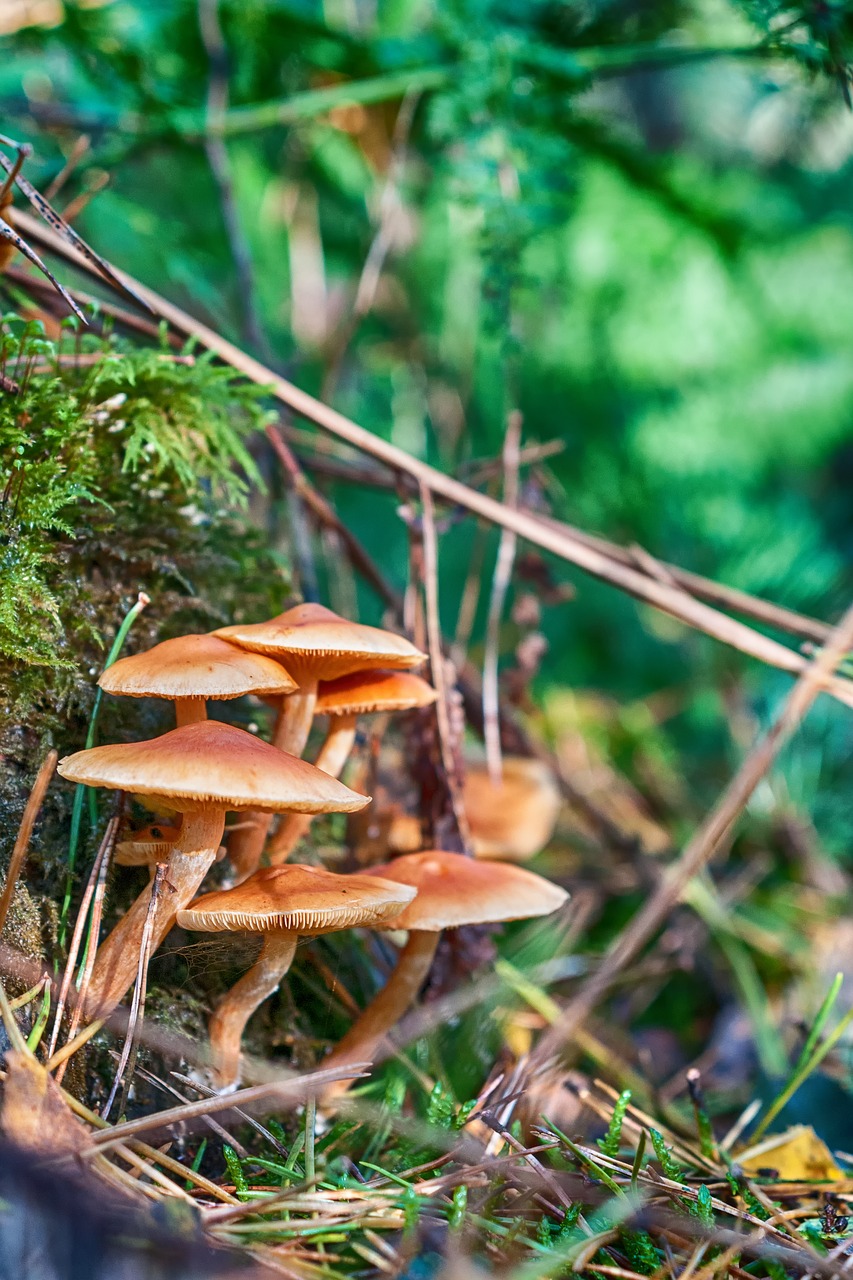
x=629, y=224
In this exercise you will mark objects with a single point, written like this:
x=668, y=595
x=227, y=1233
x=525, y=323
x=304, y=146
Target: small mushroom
x=150, y=845
x=190, y=669
x=344, y=700
x=315, y=644
x=515, y=819
x=147, y=845
x=452, y=890
x=283, y=904
x=202, y=770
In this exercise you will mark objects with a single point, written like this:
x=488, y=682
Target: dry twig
x=551, y=536
x=449, y=749
x=500, y=586
x=25, y=831
x=137, y=1008
x=95, y=895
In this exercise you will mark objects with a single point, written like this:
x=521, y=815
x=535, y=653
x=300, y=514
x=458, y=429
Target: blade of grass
x=77, y=808
x=34, y=1038
x=803, y=1069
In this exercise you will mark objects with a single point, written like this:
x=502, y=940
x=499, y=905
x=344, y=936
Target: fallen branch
x=558, y=539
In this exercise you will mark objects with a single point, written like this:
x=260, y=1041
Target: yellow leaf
x=798, y=1155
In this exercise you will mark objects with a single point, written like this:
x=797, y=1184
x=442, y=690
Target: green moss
x=24, y=928
x=122, y=471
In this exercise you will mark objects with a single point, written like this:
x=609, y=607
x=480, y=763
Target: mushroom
x=145, y=846
x=202, y=770
x=344, y=700
x=190, y=669
x=515, y=819
x=316, y=644
x=282, y=903
x=452, y=890
x=150, y=845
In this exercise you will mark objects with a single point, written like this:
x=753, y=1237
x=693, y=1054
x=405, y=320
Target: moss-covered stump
x=121, y=470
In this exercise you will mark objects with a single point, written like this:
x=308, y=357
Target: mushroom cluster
x=307, y=661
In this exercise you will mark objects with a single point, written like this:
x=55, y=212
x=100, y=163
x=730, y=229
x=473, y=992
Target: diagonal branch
x=559, y=540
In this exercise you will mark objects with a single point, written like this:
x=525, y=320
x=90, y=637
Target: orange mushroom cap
x=150, y=845
x=298, y=899
x=454, y=890
x=195, y=667
x=213, y=765
x=317, y=644
x=146, y=846
x=515, y=819
x=364, y=692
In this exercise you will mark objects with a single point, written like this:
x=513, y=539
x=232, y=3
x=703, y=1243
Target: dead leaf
x=797, y=1155
x=34, y=1115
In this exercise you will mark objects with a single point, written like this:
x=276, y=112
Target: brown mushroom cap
x=196, y=667
x=298, y=899
x=515, y=819
x=454, y=890
x=146, y=846
x=364, y=692
x=213, y=765
x=317, y=644
x=150, y=845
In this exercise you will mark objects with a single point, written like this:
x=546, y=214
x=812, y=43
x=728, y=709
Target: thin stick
x=292, y=1091
x=25, y=831
x=104, y=856
x=24, y=151
x=500, y=586
x=68, y=1050
x=705, y=843
x=137, y=1006
x=553, y=537
x=76, y=206
x=326, y=516
x=142, y=601
x=212, y=1124
x=437, y=669
x=207, y=1092
x=96, y=876
x=78, y=151
x=151, y=1153
x=772, y=615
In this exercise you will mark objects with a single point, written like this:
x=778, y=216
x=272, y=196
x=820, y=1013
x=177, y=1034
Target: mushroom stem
x=229, y=1019
x=190, y=711
x=292, y=728
x=117, y=959
x=332, y=757
x=385, y=1009
x=295, y=718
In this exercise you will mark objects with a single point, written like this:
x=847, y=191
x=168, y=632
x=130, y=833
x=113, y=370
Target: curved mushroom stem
x=332, y=757
x=189, y=711
x=387, y=1008
x=229, y=1019
x=292, y=728
x=117, y=959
